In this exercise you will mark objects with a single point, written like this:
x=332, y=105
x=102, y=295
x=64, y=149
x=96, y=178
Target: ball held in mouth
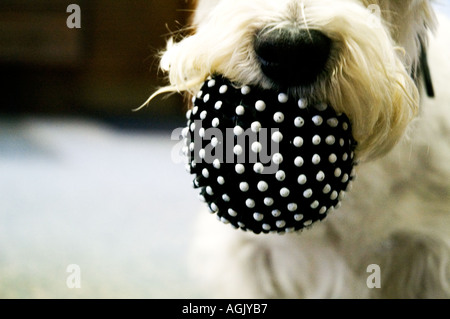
x=264, y=161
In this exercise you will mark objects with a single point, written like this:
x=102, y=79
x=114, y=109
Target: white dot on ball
x=284, y=192
x=202, y=132
x=345, y=178
x=185, y=150
x=245, y=90
x=326, y=189
x=334, y=195
x=323, y=210
x=315, y=204
x=241, y=224
x=192, y=127
x=277, y=158
x=196, y=183
x=318, y=120
x=280, y=176
x=316, y=159
x=206, y=98
x=321, y=106
x=202, y=153
x=292, y=207
x=215, y=122
x=239, y=168
x=256, y=127
x=185, y=132
x=283, y=98
x=298, y=141
x=341, y=142
x=299, y=122
x=220, y=180
x=250, y=203
x=302, y=179
x=268, y=201
x=202, y=198
x=266, y=227
x=345, y=126
x=278, y=117
x=223, y=89
x=337, y=172
x=258, y=217
x=258, y=168
x=349, y=186
x=205, y=173
x=238, y=150
x=277, y=137
x=199, y=94
x=308, y=223
x=244, y=187
x=299, y=161
x=330, y=140
x=214, y=208
x=298, y=217
x=218, y=105
x=333, y=122
x=224, y=220
x=226, y=198
x=280, y=223
x=237, y=130
x=256, y=147
x=332, y=158
x=263, y=186
x=353, y=173
x=302, y=103
x=316, y=140
x=345, y=157
x=203, y=115
x=240, y=110
x=276, y=213
x=211, y=83
x=320, y=176
x=232, y=212
x=214, y=141
x=260, y=106
x=189, y=113
x=308, y=193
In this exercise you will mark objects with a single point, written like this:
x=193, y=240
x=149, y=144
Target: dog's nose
x=292, y=58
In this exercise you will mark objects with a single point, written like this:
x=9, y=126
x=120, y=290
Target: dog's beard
x=367, y=77
x=264, y=161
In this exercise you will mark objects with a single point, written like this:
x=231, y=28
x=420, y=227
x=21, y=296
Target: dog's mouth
x=264, y=161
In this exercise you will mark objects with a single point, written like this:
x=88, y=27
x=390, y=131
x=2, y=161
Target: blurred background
x=84, y=180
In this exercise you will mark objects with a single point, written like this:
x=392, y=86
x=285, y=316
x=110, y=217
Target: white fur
x=397, y=214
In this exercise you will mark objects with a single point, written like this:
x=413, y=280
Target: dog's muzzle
x=264, y=161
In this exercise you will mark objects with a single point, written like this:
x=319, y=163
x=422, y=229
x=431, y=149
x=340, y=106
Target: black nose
x=292, y=58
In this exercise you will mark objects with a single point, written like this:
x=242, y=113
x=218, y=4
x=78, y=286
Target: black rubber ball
x=264, y=161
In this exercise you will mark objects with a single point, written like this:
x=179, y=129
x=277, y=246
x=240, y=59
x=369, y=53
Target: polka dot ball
x=264, y=161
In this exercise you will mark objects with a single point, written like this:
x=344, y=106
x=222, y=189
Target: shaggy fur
x=397, y=215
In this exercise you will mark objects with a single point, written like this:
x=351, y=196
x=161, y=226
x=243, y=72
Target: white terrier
x=368, y=59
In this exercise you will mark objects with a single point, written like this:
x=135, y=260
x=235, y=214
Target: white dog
x=391, y=236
